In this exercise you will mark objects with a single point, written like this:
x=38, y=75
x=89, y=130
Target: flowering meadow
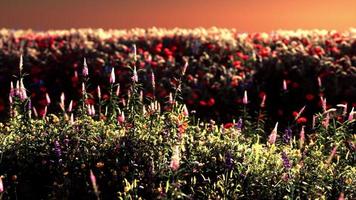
x=177, y=114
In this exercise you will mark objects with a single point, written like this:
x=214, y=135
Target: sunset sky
x=244, y=15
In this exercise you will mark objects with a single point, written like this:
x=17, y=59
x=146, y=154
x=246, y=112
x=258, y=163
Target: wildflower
x=185, y=68
x=121, y=118
x=12, y=91
x=112, y=76
x=273, y=136
x=239, y=124
x=10, y=100
x=141, y=95
x=185, y=111
x=319, y=82
x=70, y=107
x=263, y=101
x=351, y=115
x=314, y=121
x=93, y=182
x=83, y=88
x=287, y=135
x=135, y=77
x=135, y=52
x=1, y=185
x=301, y=120
x=117, y=91
x=299, y=113
x=170, y=98
x=175, y=159
x=62, y=101
x=326, y=120
x=286, y=162
x=341, y=196
x=71, y=118
x=85, y=71
x=22, y=91
x=34, y=111
x=153, y=80
x=245, y=99
x=285, y=85
x=99, y=92
x=301, y=137
x=48, y=99
x=21, y=63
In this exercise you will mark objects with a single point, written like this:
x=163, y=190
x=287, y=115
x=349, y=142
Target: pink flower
x=351, y=115
x=1, y=185
x=135, y=77
x=93, y=182
x=273, y=136
x=300, y=113
x=263, y=102
x=48, y=99
x=70, y=107
x=117, y=91
x=185, y=111
x=121, y=118
x=185, y=68
x=112, y=76
x=85, y=71
x=99, y=92
x=319, y=82
x=285, y=85
x=61, y=104
x=245, y=99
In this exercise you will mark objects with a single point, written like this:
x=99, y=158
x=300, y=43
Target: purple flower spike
x=286, y=162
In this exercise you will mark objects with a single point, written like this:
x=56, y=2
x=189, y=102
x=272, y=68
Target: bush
x=132, y=150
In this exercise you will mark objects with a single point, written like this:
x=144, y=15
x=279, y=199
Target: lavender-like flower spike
x=273, y=136
x=112, y=76
x=286, y=162
x=153, y=80
x=185, y=68
x=99, y=92
x=135, y=77
x=351, y=115
x=70, y=107
x=21, y=63
x=117, y=91
x=287, y=135
x=239, y=124
x=93, y=182
x=85, y=71
x=48, y=99
x=245, y=99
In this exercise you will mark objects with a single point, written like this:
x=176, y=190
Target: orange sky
x=244, y=15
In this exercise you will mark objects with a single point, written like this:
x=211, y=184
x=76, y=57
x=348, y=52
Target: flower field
x=177, y=114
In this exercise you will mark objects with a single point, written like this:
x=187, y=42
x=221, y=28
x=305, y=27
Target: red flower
x=301, y=120
x=202, y=103
x=228, y=125
x=211, y=102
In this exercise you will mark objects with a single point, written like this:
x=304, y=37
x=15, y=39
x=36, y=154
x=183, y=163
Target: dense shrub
x=131, y=150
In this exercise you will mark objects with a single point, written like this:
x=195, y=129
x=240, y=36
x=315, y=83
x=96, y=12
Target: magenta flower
x=351, y=115
x=48, y=99
x=117, y=91
x=93, y=182
x=285, y=85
